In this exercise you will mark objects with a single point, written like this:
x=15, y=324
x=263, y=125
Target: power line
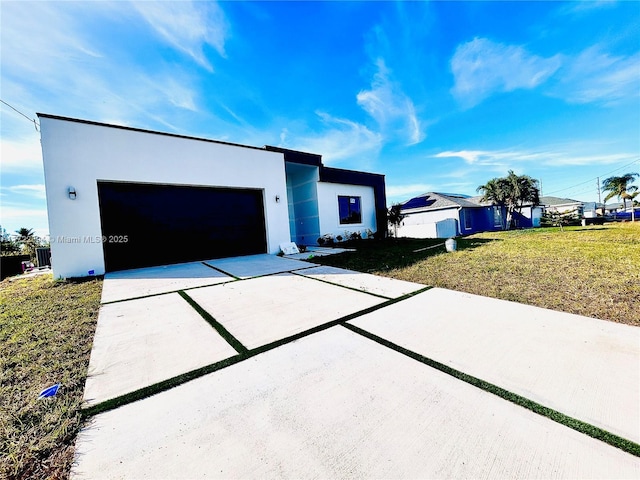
x=594, y=178
x=35, y=124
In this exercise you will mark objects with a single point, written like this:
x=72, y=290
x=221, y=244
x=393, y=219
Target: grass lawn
x=592, y=271
x=46, y=333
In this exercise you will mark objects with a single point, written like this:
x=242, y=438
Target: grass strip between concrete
x=224, y=333
x=573, y=423
x=220, y=270
x=121, y=300
x=178, y=380
x=295, y=272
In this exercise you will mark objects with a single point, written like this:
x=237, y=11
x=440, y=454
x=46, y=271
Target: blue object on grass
x=49, y=392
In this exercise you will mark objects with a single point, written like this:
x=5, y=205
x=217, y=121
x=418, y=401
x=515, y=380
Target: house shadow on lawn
x=392, y=253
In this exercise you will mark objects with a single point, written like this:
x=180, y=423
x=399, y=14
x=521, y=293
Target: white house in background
x=562, y=205
x=444, y=215
x=120, y=197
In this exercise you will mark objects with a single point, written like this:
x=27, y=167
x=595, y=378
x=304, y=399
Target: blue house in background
x=443, y=215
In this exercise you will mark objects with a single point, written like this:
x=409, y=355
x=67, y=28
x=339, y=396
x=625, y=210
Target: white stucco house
x=565, y=206
x=444, y=215
x=121, y=197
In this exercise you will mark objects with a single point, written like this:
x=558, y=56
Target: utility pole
x=598, y=184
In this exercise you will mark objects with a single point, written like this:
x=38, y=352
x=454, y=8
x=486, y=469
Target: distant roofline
x=142, y=130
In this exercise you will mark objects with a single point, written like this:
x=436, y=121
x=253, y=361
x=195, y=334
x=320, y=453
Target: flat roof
x=142, y=130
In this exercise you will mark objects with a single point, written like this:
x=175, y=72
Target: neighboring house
x=120, y=197
x=564, y=206
x=593, y=209
x=439, y=215
x=612, y=208
x=443, y=215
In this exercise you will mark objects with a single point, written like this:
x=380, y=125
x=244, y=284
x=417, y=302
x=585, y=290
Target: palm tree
x=620, y=187
x=395, y=217
x=496, y=191
x=511, y=192
x=27, y=239
x=25, y=233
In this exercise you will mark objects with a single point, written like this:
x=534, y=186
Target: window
x=497, y=217
x=349, y=209
x=467, y=219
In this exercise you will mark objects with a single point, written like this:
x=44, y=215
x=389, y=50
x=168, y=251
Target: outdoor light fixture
x=277, y=198
x=72, y=193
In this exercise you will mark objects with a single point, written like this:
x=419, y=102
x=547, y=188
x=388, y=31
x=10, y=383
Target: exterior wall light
x=277, y=198
x=72, y=193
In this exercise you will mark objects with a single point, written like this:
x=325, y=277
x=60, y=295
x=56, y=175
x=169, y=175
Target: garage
x=149, y=224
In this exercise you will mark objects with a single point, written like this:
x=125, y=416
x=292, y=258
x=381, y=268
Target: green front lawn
x=46, y=333
x=592, y=271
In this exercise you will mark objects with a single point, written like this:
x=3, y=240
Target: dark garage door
x=149, y=224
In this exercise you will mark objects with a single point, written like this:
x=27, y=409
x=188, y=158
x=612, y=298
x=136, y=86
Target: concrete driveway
x=269, y=367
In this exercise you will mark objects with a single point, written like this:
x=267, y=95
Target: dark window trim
x=350, y=213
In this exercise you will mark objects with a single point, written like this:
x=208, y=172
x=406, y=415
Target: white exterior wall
x=536, y=216
x=328, y=208
x=423, y=224
x=78, y=154
x=446, y=228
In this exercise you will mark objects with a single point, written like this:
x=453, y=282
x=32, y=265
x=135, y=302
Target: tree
x=621, y=187
x=511, y=192
x=8, y=246
x=395, y=217
x=28, y=241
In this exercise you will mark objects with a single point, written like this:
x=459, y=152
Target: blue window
x=350, y=210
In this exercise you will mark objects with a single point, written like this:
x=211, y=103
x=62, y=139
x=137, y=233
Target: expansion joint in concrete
x=224, y=333
x=559, y=417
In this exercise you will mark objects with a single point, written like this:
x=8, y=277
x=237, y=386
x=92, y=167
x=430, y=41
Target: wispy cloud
x=573, y=8
x=188, y=26
x=390, y=107
x=596, y=76
x=16, y=215
x=482, y=67
x=340, y=139
x=82, y=76
x=35, y=191
x=555, y=158
x=23, y=155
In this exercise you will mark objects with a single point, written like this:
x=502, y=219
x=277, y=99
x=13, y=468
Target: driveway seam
x=295, y=272
x=555, y=415
x=224, y=333
x=178, y=380
x=167, y=293
x=220, y=270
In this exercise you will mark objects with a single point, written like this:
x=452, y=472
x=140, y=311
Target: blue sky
x=438, y=96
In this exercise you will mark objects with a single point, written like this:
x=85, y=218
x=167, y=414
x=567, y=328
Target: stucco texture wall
x=78, y=154
x=328, y=194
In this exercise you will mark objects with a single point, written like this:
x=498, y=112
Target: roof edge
x=142, y=130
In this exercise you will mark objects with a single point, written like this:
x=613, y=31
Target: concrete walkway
x=268, y=367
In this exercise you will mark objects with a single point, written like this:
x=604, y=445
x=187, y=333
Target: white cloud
x=21, y=155
x=188, y=26
x=469, y=156
x=15, y=216
x=482, y=67
x=594, y=76
x=573, y=8
x=566, y=156
x=390, y=107
x=78, y=74
x=341, y=139
x=36, y=191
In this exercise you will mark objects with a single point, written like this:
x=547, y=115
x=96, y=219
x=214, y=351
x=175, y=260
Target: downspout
x=459, y=221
